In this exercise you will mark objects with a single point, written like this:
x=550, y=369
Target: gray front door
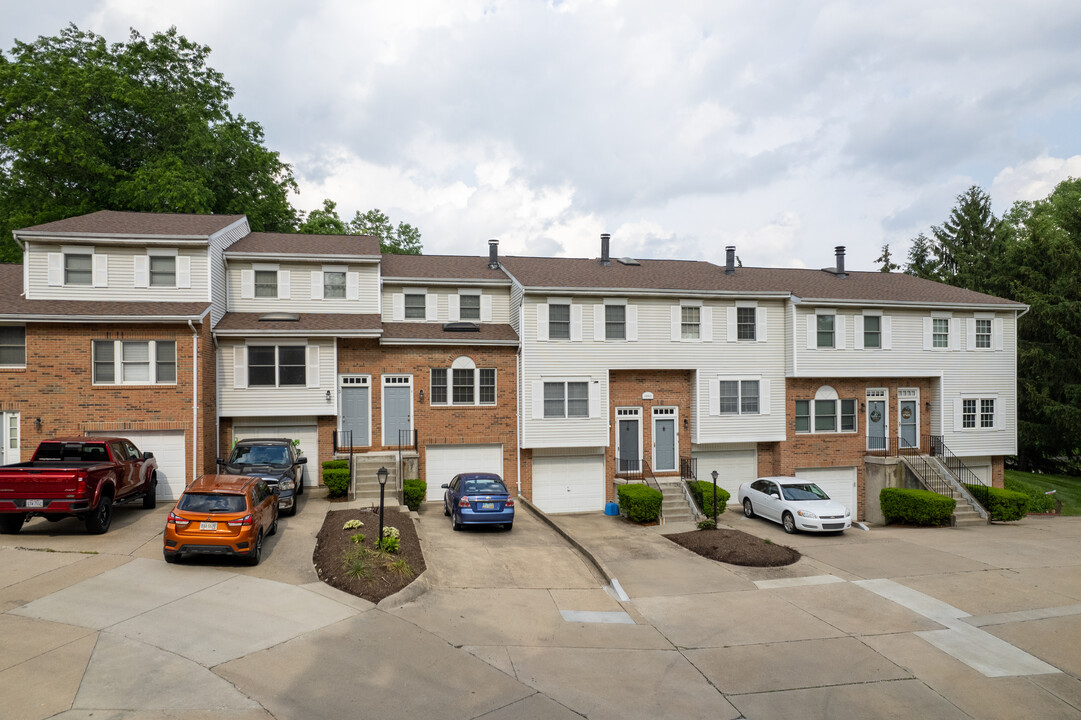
x=908, y=424
x=397, y=425
x=664, y=441
x=630, y=457
x=876, y=425
x=355, y=414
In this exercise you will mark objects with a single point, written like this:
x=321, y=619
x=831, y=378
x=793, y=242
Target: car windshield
x=804, y=491
x=484, y=486
x=211, y=503
x=260, y=455
x=72, y=452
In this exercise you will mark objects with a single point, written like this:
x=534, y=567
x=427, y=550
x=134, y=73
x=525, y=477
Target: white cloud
x=1032, y=180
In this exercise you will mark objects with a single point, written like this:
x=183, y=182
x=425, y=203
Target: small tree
x=888, y=265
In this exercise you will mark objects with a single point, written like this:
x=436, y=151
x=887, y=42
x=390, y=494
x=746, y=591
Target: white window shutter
x=857, y=332
x=957, y=421
x=839, y=332
x=56, y=269
x=240, y=366
x=183, y=271
x=714, y=397
x=927, y=333
x=542, y=322
x=955, y=334
x=707, y=324
x=576, y=323
x=594, y=399
x=352, y=286
x=431, y=309
x=313, y=366
x=598, y=323
x=142, y=271
x=887, y=332
x=101, y=270
x=247, y=284
x=760, y=319
x=730, y=329
x=998, y=327
x=763, y=397
x=285, y=284
x=632, y=323
x=454, y=308
x=970, y=334
x=317, y=284
x=998, y=414
x=676, y=318
x=812, y=331
x=397, y=307
x=538, y=399
x=485, y=308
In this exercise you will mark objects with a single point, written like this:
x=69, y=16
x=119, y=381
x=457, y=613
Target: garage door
x=573, y=483
x=839, y=483
x=980, y=467
x=169, y=451
x=734, y=467
x=443, y=462
x=307, y=434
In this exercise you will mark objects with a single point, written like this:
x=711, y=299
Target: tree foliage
x=966, y=245
x=886, y=258
x=401, y=240
x=143, y=125
x=921, y=259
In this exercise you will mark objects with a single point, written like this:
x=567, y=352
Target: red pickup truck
x=79, y=477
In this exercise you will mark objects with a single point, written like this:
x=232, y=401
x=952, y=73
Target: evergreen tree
x=921, y=259
x=966, y=244
x=888, y=265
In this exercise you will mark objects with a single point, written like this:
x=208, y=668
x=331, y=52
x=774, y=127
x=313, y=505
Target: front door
x=9, y=438
x=355, y=414
x=907, y=423
x=876, y=425
x=664, y=439
x=397, y=410
x=628, y=452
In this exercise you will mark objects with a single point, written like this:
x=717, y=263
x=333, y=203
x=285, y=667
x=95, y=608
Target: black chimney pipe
x=840, y=250
x=493, y=254
x=605, y=239
x=730, y=260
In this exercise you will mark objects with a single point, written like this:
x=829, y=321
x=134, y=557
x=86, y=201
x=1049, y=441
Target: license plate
x=208, y=525
x=487, y=506
x=35, y=503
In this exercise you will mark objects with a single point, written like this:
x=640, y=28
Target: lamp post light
x=714, y=473
x=381, y=474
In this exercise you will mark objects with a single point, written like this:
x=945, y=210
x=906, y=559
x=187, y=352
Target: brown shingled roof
x=434, y=332
x=306, y=322
x=440, y=267
x=112, y=222
x=301, y=244
x=690, y=275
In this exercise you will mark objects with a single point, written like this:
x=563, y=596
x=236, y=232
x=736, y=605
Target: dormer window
x=162, y=271
x=334, y=285
x=469, y=308
x=266, y=283
x=78, y=269
x=415, y=306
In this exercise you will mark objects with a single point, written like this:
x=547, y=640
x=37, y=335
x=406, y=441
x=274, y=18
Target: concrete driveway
x=945, y=623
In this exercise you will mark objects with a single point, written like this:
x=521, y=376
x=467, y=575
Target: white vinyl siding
x=306, y=290
x=240, y=399
x=116, y=275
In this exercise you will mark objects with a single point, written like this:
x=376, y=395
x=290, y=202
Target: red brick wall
x=57, y=386
x=526, y=479
x=437, y=424
x=998, y=471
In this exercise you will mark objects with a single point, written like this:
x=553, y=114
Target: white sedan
x=796, y=504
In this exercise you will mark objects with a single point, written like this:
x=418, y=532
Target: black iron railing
x=635, y=470
x=688, y=468
x=927, y=470
x=980, y=491
x=894, y=446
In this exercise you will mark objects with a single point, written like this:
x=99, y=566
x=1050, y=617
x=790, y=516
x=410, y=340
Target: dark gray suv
x=274, y=459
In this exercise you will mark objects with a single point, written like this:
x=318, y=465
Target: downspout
x=194, y=399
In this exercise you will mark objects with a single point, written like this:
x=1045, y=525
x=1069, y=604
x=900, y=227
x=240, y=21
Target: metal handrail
x=963, y=473
x=892, y=446
x=927, y=474
x=688, y=468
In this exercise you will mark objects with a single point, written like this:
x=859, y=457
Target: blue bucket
x=611, y=508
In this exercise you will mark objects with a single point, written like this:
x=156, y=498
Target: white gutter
x=194, y=399
x=306, y=257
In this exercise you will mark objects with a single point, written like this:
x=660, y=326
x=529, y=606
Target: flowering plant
x=353, y=524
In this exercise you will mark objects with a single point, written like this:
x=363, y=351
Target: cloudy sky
x=783, y=128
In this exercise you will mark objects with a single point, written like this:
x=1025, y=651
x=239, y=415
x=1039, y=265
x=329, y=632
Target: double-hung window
x=745, y=323
x=690, y=327
x=134, y=362
x=469, y=307
x=266, y=283
x=940, y=332
x=739, y=397
x=12, y=346
x=825, y=329
x=983, y=333
x=78, y=269
x=566, y=399
x=468, y=386
x=829, y=416
x=977, y=413
x=415, y=306
x=872, y=331
x=277, y=365
x=163, y=271
x=559, y=321
x=334, y=284
x=615, y=322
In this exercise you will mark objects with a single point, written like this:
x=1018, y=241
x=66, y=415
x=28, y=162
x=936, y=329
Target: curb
x=543, y=517
x=407, y=594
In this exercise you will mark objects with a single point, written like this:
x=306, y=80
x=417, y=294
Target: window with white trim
x=615, y=322
x=78, y=268
x=940, y=332
x=266, y=283
x=469, y=307
x=566, y=399
x=826, y=413
x=977, y=413
x=983, y=333
x=415, y=305
x=739, y=397
x=134, y=362
x=872, y=331
x=469, y=386
x=825, y=330
x=690, y=327
x=559, y=321
x=12, y=346
x=277, y=365
x=163, y=271
x=746, y=322
x=334, y=284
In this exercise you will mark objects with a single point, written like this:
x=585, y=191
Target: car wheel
x=293, y=510
x=789, y=523
x=446, y=510
x=748, y=511
x=11, y=523
x=300, y=486
x=150, y=500
x=98, y=522
x=454, y=523
x=171, y=557
x=509, y=526
x=257, y=551
x=273, y=526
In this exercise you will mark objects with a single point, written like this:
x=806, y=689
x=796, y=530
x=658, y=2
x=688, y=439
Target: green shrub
x=390, y=544
x=337, y=481
x=707, y=524
x=1038, y=500
x=1002, y=504
x=414, y=491
x=640, y=503
x=702, y=492
x=335, y=464
x=918, y=507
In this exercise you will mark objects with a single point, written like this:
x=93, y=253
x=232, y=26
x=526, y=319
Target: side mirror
x=147, y=455
x=775, y=496
x=302, y=460
x=444, y=485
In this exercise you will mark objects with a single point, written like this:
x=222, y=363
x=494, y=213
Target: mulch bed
x=735, y=548
x=334, y=543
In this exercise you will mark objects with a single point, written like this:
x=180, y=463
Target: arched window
x=831, y=413
x=463, y=384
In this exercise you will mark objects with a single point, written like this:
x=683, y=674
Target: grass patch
x=1067, y=487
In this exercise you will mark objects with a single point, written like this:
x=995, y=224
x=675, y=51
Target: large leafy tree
x=403, y=239
x=143, y=125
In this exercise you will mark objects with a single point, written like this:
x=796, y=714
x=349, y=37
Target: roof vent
x=605, y=258
x=628, y=261
x=280, y=317
x=493, y=254
x=730, y=260
x=461, y=327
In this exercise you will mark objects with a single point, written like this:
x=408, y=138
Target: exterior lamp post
x=714, y=473
x=381, y=474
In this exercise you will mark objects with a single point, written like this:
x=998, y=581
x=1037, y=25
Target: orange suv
x=222, y=515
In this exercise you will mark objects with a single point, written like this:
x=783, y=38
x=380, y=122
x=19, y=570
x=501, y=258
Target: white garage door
x=980, y=467
x=169, y=451
x=838, y=482
x=307, y=434
x=573, y=483
x=443, y=462
x=734, y=467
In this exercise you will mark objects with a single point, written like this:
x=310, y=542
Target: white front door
x=9, y=432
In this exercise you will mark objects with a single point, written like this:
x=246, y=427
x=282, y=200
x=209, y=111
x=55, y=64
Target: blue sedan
x=478, y=499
